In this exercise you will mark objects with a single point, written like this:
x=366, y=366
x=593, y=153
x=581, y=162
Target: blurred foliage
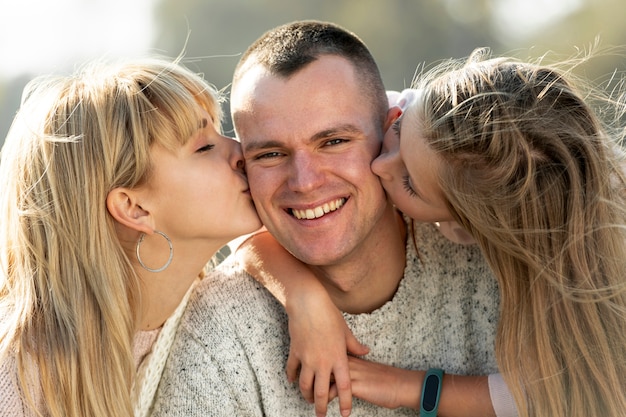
x=403, y=35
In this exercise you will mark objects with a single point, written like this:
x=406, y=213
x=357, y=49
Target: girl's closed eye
x=205, y=148
x=406, y=182
x=396, y=126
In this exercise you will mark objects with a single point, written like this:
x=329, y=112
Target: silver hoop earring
x=169, y=260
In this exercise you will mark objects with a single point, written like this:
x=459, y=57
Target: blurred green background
x=43, y=36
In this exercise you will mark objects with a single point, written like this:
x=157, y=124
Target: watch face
x=431, y=386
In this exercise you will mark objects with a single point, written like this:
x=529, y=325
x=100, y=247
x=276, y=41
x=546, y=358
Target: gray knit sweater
x=230, y=352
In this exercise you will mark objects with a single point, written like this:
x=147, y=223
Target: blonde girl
x=512, y=156
x=117, y=188
x=515, y=153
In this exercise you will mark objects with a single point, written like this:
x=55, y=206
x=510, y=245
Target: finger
x=293, y=368
x=354, y=346
x=306, y=385
x=332, y=392
x=322, y=385
x=343, y=388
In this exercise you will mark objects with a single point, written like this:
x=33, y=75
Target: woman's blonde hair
x=68, y=294
x=531, y=172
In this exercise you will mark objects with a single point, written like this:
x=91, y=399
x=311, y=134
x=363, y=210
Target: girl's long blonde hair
x=536, y=178
x=68, y=294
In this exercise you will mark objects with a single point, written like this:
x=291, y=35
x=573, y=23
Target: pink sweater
x=12, y=403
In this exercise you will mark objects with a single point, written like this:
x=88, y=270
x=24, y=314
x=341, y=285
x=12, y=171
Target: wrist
x=409, y=392
x=305, y=295
x=463, y=395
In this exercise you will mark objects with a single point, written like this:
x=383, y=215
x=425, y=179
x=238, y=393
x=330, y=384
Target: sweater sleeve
x=501, y=398
x=12, y=403
x=195, y=383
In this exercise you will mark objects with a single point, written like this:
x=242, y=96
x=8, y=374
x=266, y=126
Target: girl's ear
x=126, y=210
x=392, y=115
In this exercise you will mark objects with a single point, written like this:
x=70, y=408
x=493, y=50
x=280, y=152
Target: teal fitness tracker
x=431, y=392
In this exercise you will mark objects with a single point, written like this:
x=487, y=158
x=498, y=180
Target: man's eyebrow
x=259, y=145
x=346, y=129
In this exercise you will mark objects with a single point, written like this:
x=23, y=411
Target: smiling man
x=308, y=139
x=310, y=108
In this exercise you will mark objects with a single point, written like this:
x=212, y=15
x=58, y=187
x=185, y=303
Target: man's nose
x=306, y=173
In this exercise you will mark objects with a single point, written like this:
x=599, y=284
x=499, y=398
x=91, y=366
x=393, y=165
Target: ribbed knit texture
x=11, y=404
x=230, y=353
x=150, y=370
x=150, y=350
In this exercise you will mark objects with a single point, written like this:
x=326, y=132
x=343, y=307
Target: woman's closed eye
x=406, y=182
x=396, y=126
x=205, y=148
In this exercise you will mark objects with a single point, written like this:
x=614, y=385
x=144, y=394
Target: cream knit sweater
x=150, y=351
x=230, y=352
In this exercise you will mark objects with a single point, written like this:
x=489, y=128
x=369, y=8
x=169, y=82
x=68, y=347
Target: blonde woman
x=514, y=153
x=117, y=188
x=510, y=156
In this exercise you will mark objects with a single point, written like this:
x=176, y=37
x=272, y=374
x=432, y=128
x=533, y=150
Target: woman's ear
x=392, y=115
x=126, y=210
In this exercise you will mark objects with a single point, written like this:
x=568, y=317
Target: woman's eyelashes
x=205, y=148
x=406, y=182
x=396, y=126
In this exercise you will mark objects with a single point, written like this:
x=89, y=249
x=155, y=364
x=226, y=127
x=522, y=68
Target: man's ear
x=392, y=115
x=126, y=210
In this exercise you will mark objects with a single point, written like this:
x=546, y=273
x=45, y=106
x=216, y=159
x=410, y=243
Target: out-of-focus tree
x=600, y=21
x=403, y=35
x=10, y=96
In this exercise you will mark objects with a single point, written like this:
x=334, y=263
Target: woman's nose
x=237, y=161
x=381, y=166
x=387, y=161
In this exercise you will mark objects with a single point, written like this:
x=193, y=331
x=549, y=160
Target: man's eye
x=205, y=148
x=268, y=155
x=332, y=142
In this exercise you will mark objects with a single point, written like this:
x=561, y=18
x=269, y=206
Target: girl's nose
x=389, y=158
x=381, y=166
x=236, y=155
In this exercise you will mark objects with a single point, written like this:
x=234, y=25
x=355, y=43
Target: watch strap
x=431, y=391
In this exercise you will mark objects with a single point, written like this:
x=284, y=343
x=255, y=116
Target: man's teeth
x=319, y=211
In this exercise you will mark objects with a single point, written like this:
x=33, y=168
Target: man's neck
x=370, y=277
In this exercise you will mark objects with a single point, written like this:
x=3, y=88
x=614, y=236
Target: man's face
x=308, y=142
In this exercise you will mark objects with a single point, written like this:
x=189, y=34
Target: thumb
x=354, y=346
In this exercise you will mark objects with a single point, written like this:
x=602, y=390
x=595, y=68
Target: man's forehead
x=245, y=86
x=307, y=106
x=258, y=82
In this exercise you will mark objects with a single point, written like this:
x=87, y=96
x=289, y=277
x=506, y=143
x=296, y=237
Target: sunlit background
x=43, y=36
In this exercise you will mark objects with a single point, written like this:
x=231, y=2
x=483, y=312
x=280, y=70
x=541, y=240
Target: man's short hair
x=287, y=49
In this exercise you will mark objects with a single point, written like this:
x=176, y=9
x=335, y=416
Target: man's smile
x=319, y=211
